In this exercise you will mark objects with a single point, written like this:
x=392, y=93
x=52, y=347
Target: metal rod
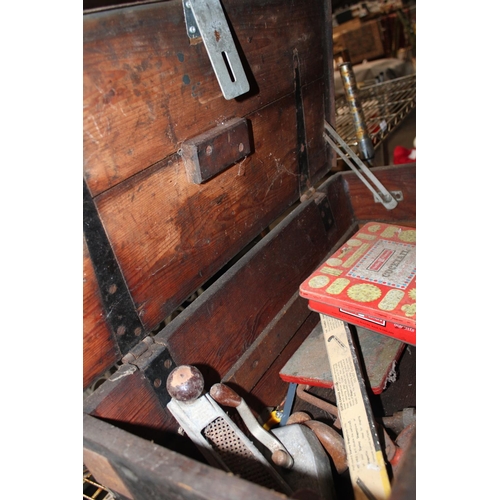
x=365, y=144
x=379, y=191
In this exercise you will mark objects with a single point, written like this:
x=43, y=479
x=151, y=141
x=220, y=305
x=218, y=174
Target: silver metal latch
x=206, y=18
x=380, y=193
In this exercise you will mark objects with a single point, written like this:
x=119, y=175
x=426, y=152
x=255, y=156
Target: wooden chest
x=202, y=216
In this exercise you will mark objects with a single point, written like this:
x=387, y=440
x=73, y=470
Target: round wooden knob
x=185, y=383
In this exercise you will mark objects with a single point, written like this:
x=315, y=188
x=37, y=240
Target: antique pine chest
x=203, y=213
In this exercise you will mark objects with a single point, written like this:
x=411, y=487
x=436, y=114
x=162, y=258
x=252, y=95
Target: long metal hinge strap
x=120, y=312
x=380, y=193
x=206, y=18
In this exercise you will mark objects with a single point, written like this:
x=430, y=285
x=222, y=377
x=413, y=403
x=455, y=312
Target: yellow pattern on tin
x=409, y=310
x=364, y=293
x=391, y=300
x=374, y=228
x=409, y=236
x=356, y=255
x=363, y=236
x=337, y=286
x=319, y=281
x=334, y=262
x=329, y=270
x=413, y=294
x=354, y=243
x=390, y=231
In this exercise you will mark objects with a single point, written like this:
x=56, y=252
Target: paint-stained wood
x=99, y=348
x=146, y=89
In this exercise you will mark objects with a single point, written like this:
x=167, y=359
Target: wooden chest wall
x=147, y=90
x=153, y=235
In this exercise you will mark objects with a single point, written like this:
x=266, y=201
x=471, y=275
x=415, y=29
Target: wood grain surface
x=146, y=89
x=224, y=322
x=99, y=348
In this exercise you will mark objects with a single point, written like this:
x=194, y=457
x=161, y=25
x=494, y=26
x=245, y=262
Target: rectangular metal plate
x=212, y=25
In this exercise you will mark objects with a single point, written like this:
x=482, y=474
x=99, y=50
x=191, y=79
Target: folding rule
x=364, y=454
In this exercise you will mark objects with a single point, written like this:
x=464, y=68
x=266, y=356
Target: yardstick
x=367, y=469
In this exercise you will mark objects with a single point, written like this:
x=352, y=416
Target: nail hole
x=209, y=150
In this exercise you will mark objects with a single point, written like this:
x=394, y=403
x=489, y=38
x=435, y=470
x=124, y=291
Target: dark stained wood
x=146, y=89
x=213, y=151
x=99, y=348
x=233, y=312
x=314, y=114
x=271, y=389
x=247, y=371
x=396, y=178
x=147, y=471
x=170, y=235
x=127, y=399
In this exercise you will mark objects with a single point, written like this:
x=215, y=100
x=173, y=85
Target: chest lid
x=179, y=179
x=370, y=281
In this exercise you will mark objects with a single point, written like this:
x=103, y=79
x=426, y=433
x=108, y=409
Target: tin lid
x=373, y=273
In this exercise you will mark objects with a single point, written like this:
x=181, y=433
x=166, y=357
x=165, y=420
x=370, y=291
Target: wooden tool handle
x=225, y=396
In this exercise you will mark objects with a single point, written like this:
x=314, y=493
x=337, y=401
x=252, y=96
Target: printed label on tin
x=390, y=263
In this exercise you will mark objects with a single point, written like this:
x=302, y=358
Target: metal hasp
x=380, y=193
x=365, y=144
x=206, y=18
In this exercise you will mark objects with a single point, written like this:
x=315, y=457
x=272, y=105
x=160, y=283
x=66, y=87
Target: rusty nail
x=241, y=147
x=157, y=383
x=121, y=330
x=137, y=331
x=208, y=150
x=112, y=289
x=167, y=363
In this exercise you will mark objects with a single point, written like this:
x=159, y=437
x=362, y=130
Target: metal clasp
x=206, y=18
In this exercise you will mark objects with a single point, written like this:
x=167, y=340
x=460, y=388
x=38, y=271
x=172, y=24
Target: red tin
x=370, y=281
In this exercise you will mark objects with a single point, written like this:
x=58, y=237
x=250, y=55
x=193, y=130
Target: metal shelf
x=385, y=106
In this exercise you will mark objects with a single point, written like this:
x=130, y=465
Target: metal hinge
x=137, y=351
x=206, y=19
x=155, y=362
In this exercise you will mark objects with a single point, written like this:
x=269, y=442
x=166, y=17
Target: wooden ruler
x=364, y=454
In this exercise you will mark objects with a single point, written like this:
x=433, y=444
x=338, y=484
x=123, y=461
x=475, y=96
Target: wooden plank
x=128, y=400
x=99, y=348
x=271, y=389
x=247, y=371
x=170, y=235
x=394, y=178
x=233, y=312
x=139, y=469
x=309, y=364
x=146, y=89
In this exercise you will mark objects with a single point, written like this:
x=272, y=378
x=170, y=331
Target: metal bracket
x=380, y=193
x=206, y=18
x=398, y=196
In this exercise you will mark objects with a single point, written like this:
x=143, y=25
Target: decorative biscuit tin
x=370, y=281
